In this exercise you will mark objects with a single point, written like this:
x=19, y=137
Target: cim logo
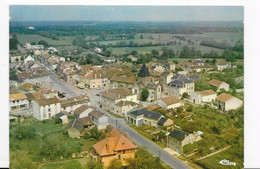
x=227, y=162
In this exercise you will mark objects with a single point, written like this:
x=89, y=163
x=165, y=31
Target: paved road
x=61, y=86
x=139, y=139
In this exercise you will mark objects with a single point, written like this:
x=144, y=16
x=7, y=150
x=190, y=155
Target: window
x=17, y=101
x=13, y=101
x=44, y=111
x=119, y=157
x=49, y=109
x=44, y=115
x=123, y=151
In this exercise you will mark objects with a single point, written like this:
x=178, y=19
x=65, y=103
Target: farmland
x=63, y=41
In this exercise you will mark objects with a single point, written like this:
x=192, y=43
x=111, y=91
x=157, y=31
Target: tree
x=44, y=43
x=144, y=160
x=202, y=84
x=155, y=52
x=115, y=164
x=133, y=52
x=141, y=36
x=185, y=95
x=16, y=59
x=144, y=94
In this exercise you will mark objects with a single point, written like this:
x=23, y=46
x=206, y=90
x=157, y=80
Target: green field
x=63, y=41
x=212, y=162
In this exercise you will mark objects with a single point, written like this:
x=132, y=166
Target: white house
x=99, y=119
x=222, y=66
x=46, y=108
x=170, y=102
x=83, y=111
x=97, y=50
x=159, y=68
x=203, y=96
x=28, y=59
x=111, y=97
x=18, y=101
x=37, y=52
x=110, y=59
x=219, y=85
x=180, y=84
x=226, y=102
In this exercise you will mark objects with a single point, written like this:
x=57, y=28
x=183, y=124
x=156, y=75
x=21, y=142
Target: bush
x=179, y=109
x=189, y=108
x=93, y=165
x=24, y=132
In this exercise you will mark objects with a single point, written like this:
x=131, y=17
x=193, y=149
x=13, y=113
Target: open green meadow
x=63, y=41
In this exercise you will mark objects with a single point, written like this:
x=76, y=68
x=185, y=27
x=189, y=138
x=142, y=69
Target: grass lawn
x=63, y=41
x=68, y=164
x=212, y=162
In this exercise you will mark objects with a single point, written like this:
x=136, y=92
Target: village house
x=170, y=102
x=110, y=59
x=132, y=58
x=28, y=59
x=63, y=116
x=154, y=91
x=180, y=84
x=18, y=101
x=46, y=108
x=97, y=50
x=199, y=62
x=74, y=128
x=99, y=119
x=70, y=76
x=111, y=97
x=122, y=81
x=159, y=68
x=82, y=111
x=218, y=85
x=122, y=107
x=222, y=66
x=165, y=78
x=96, y=79
x=226, y=102
x=36, y=76
x=144, y=116
x=179, y=138
x=37, y=53
x=203, y=96
x=199, y=68
x=114, y=146
x=86, y=121
x=72, y=103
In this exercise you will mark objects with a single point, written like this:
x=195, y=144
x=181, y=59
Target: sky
x=126, y=13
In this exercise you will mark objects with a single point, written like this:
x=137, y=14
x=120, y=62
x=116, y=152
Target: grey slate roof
x=146, y=113
x=162, y=121
x=179, y=134
x=178, y=80
x=76, y=123
x=144, y=71
x=151, y=86
x=194, y=77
